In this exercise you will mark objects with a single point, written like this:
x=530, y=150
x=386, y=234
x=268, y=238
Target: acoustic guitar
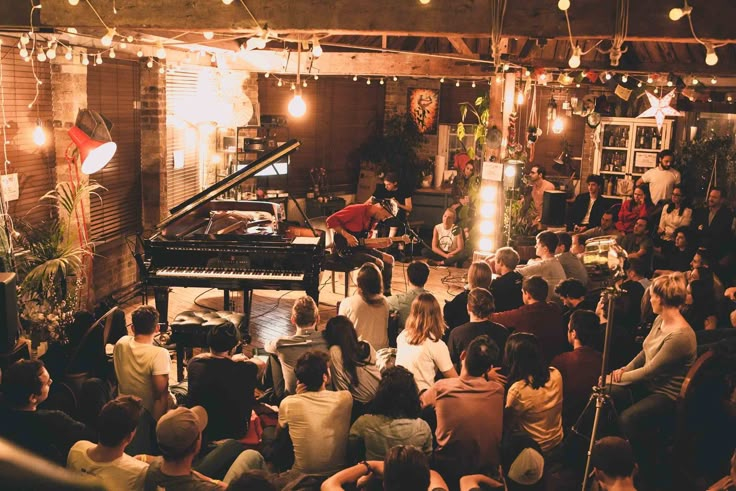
x=342, y=248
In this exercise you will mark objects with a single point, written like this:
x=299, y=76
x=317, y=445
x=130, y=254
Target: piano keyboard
x=236, y=274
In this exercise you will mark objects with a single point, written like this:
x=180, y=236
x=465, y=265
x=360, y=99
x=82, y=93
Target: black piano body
x=232, y=245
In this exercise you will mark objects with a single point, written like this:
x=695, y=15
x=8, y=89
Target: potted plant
x=480, y=110
x=697, y=160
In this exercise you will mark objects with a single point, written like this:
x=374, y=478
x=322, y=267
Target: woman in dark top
x=700, y=306
x=678, y=256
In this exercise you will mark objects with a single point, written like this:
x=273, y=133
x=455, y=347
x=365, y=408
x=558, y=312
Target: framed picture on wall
x=423, y=106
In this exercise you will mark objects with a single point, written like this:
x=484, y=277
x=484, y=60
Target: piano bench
x=189, y=329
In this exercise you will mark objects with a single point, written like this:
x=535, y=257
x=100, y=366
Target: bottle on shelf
x=655, y=143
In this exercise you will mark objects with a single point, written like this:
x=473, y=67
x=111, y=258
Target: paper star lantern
x=660, y=108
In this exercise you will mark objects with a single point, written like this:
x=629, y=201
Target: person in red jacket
x=634, y=208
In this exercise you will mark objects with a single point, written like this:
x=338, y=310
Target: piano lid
x=229, y=182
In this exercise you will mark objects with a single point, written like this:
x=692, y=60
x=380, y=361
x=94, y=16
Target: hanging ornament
x=551, y=112
x=660, y=108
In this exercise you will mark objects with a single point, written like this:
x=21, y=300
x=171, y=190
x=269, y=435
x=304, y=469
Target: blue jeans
x=230, y=455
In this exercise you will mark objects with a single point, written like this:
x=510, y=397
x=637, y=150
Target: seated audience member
x=534, y=398
x=638, y=206
x=522, y=464
x=613, y=464
x=645, y=390
x=417, y=273
x=179, y=436
x=548, y=266
x=142, y=370
x=537, y=316
x=419, y=347
x=713, y=225
x=675, y=215
x=318, y=419
x=678, y=257
x=480, y=308
x=406, y=468
x=305, y=317
x=700, y=306
x=580, y=367
x=637, y=270
x=728, y=483
x=223, y=384
x=703, y=260
x=368, y=308
x=588, y=208
x=393, y=419
x=352, y=363
x=257, y=480
x=107, y=460
x=571, y=264
x=506, y=288
x=49, y=434
x=456, y=310
x=578, y=246
x=638, y=244
x=607, y=227
x=572, y=293
x=469, y=411
x=448, y=245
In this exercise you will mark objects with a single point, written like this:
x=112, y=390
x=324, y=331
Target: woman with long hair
x=392, y=419
x=368, y=308
x=675, y=214
x=419, y=347
x=534, y=398
x=638, y=206
x=700, y=306
x=352, y=362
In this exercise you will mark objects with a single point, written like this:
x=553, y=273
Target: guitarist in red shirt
x=351, y=225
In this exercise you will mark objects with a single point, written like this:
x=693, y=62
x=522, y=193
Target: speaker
x=554, y=208
x=8, y=312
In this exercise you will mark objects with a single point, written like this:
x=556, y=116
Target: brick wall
x=153, y=147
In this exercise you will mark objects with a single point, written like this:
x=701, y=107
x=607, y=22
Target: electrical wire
x=242, y=2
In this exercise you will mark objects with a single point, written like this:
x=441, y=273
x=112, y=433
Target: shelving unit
x=628, y=148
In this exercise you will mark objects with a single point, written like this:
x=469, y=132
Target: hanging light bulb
x=111, y=54
x=160, y=51
x=457, y=84
x=98, y=59
x=355, y=78
x=574, y=60
x=557, y=126
x=473, y=84
x=624, y=78
x=227, y=2
x=316, y=48
x=381, y=82
x=695, y=81
x=23, y=53
x=129, y=39
x=639, y=84
x=149, y=63
x=73, y=3
x=499, y=78
x=139, y=53
x=39, y=135
x=24, y=39
x=68, y=54
x=161, y=70
x=563, y=5
x=711, y=58
x=266, y=75
x=316, y=77
x=527, y=72
x=650, y=79
x=106, y=40
x=297, y=106
x=304, y=83
x=213, y=58
x=123, y=45
x=442, y=80
x=678, y=13
x=85, y=60
x=280, y=84
x=669, y=83
x=368, y=82
x=505, y=67
x=608, y=76
x=41, y=56
x=520, y=98
x=208, y=35
x=424, y=2
x=656, y=90
x=396, y=78
x=714, y=80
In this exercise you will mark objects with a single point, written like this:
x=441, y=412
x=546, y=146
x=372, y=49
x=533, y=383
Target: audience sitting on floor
x=571, y=264
x=305, y=318
x=480, y=308
x=607, y=227
x=448, y=244
x=393, y=419
x=368, y=308
x=223, y=384
x=469, y=411
x=352, y=363
x=537, y=316
x=573, y=295
x=613, y=464
x=419, y=347
x=107, y=459
x=547, y=266
x=506, y=288
x=417, y=273
x=456, y=310
x=48, y=433
x=638, y=243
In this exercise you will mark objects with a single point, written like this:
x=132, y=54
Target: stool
x=189, y=329
x=335, y=264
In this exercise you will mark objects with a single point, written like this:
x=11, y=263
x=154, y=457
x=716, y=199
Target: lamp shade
x=95, y=154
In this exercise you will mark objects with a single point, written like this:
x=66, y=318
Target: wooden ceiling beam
x=459, y=45
x=590, y=19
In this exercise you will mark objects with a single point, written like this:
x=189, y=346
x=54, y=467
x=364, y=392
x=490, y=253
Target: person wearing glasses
x=674, y=215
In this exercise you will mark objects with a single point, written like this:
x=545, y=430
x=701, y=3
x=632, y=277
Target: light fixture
x=91, y=135
x=558, y=126
x=669, y=83
x=542, y=77
x=111, y=54
x=714, y=80
x=649, y=79
x=505, y=67
x=520, y=98
x=563, y=5
x=106, y=40
x=695, y=81
x=639, y=84
x=161, y=70
x=149, y=63
x=442, y=80
x=39, y=135
x=316, y=77
x=678, y=13
x=711, y=58
x=499, y=78
x=355, y=78
x=280, y=83
x=129, y=39
x=457, y=83
x=527, y=72
x=316, y=48
x=395, y=78
x=656, y=90
x=85, y=60
x=368, y=82
x=424, y=2
x=607, y=76
x=98, y=59
x=24, y=39
x=160, y=51
x=68, y=55
x=123, y=45
x=304, y=83
x=729, y=98
x=41, y=56
x=73, y=3
x=624, y=78
x=381, y=82
x=574, y=60
x=473, y=84
x=297, y=107
x=139, y=53
x=23, y=53
x=51, y=53
x=208, y=35
x=227, y=2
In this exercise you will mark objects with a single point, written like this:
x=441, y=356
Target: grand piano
x=232, y=245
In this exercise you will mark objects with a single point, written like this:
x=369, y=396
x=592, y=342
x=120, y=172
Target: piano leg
x=313, y=291
x=161, y=297
x=247, y=302
x=226, y=300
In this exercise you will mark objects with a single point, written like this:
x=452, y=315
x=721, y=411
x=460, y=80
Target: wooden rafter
x=459, y=45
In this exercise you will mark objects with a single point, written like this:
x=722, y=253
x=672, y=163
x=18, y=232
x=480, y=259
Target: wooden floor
x=271, y=309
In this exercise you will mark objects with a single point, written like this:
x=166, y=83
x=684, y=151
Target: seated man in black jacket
x=506, y=288
x=456, y=310
x=587, y=209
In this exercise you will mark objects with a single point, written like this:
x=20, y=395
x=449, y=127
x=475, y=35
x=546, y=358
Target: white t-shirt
x=370, y=321
x=319, y=423
x=445, y=238
x=423, y=360
x=661, y=182
x=135, y=365
x=123, y=474
x=669, y=222
x=586, y=218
